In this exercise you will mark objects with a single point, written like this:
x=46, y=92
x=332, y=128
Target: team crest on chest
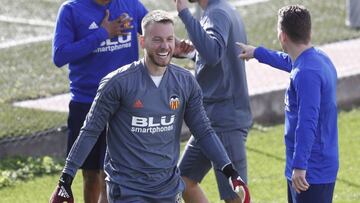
x=174, y=102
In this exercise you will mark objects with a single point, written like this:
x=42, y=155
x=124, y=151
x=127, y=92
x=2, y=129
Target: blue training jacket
x=311, y=132
x=82, y=43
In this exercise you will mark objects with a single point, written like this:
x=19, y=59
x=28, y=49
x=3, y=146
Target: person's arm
x=211, y=41
x=276, y=59
x=65, y=48
x=106, y=102
x=307, y=84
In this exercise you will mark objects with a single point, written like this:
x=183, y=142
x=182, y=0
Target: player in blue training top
x=94, y=37
x=144, y=104
x=311, y=133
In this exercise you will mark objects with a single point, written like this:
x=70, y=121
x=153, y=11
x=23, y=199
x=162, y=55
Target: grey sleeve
x=199, y=124
x=213, y=35
x=106, y=102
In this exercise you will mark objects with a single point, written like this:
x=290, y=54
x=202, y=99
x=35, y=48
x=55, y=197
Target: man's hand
x=62, y=192
x=239, y=187
x=247, y=51
x=298, y=180
x=120, y=26
x=236, y=183
x=181, y=5
x=184, y=49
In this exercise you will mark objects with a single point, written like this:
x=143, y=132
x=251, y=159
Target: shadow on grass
x=277, y=158
x=265, y=154
x=349, y=183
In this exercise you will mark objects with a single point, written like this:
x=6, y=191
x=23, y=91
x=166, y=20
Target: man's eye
x=156, y=40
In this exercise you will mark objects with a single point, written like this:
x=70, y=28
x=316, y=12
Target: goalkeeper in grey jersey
x=144, y=104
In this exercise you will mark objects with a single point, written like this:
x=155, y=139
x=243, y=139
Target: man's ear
x=142, y=41
x=283, y=37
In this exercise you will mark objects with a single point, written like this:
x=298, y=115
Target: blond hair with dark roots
x=156, y=16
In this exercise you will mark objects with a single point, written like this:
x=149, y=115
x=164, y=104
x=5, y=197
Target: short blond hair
x=156, y=16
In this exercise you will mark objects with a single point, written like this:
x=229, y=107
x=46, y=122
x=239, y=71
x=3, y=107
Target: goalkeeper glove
x=62, y=192
x=236, y=183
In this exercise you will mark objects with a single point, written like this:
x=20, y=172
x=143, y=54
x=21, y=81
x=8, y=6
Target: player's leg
x=193, y=167
x=92, y=187
x=234, y=143
x=193, y=192
x=93, y=164
x=103, y=193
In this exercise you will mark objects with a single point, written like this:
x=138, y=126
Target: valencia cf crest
x=174, y=102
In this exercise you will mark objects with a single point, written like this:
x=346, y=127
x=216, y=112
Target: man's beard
x=159, y=63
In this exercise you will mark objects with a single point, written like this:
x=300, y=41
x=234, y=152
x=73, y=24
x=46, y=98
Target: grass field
x=266, y=164
x=35, y=76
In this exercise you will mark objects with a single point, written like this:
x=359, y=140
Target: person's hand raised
x=181, y=4
x=120, y=26
x=247, y=51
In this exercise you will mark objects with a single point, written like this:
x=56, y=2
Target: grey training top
x=220, y=73
x=144, y=124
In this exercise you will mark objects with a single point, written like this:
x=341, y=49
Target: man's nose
x=164, y=45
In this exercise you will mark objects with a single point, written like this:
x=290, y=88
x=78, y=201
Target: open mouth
x=163, y=54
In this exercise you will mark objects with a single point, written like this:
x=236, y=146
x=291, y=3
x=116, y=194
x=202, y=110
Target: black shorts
x=77, y=115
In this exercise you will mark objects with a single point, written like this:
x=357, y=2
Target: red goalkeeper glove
x=62, y=192
x=236, y=183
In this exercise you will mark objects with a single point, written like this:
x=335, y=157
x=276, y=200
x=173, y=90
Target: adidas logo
x=138, y=104
x=63, y=193
x=93, y=26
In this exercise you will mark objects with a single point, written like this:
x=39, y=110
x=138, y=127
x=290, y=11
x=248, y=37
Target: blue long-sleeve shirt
x=144, y=125
x=220, y=73
x=81, y=42
x=311, y=132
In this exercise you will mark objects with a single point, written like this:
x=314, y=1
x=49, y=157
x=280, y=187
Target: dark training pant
x=315, y=194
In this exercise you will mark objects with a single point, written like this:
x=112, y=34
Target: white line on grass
x=246, y=2
x=29, y=40
x=9, y=19
x=56, y=103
